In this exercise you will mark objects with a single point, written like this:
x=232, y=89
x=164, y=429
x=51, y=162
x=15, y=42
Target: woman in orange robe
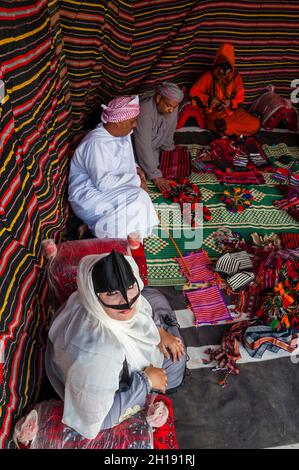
x=221, y=91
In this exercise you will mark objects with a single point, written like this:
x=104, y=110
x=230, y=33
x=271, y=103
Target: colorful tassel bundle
x=187, y=195
x=281, y=310
x=237, y=200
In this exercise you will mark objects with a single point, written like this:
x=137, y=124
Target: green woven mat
x=261, y=217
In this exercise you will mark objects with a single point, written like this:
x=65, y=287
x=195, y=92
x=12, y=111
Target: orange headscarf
x=225, y=53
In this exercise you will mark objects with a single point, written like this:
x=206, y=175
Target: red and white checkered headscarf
x=121, y=109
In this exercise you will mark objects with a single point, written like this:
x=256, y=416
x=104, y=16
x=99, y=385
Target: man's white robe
x=104, y=188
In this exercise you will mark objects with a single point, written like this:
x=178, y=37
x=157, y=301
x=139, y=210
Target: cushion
x=274, y=110
x=62, y=269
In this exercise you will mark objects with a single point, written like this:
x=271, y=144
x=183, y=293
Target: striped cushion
x=240, y=280
x=231, y=263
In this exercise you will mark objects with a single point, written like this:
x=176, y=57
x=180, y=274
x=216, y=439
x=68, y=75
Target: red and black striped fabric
x=126, y=46
x=34, y=147
x=175, y=163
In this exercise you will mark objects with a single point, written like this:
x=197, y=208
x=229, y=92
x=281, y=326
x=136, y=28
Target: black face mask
x=114, y=273
x=225, y=66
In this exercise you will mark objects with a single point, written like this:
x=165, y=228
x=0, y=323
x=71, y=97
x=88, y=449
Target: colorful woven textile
x=199, y=265
x=231, y=263
x=274, y=110
x=240, y=280
x=175, y=163
x=240, y=177
x=132, y=433
x=258, y=339
x=61, y=59
x=207, y=305
x=290, y=240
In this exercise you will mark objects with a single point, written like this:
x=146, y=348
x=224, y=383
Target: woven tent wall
x=34, y=152
x=127, y=46
x=60, y=59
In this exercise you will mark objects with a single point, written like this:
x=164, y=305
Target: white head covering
x=139, y=336
x=171, y=91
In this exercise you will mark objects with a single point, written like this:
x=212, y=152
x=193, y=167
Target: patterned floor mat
x=262, y=217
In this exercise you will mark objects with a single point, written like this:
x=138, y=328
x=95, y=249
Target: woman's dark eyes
x=117, y=292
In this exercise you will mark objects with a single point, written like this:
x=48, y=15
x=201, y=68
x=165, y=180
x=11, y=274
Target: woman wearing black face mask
x=105, y=352
x=220, y=92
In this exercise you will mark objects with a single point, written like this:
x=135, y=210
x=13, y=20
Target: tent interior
x=60, y=60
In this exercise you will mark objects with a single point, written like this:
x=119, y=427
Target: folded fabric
x=231, y=263
x=290, y=240
x=281, y=175
x=258, y=339
x=240, y=280
x=175, y=163
x=255, y=151
x=199, y=265
x=207, y=305
x=199, y=166
x=286, y=203
x=240, y=177
x=294, y=180
x=240, y=160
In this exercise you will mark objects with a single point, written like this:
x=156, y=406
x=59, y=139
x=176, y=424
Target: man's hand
x=162, y=183
x=171, y=343
x=214, y=102
x=142, y=177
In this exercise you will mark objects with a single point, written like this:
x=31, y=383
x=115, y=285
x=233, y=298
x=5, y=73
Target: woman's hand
x=171, y=343
x=157, y=378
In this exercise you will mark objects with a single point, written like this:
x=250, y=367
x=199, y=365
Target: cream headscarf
x=138, y=336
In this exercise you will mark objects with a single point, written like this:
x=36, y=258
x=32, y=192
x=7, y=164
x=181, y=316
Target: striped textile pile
x=197, y=349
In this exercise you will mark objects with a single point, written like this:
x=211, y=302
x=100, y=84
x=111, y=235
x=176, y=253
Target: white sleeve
x=87, y=398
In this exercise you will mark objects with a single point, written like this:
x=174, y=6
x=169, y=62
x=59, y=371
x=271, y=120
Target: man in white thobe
x=105, y=187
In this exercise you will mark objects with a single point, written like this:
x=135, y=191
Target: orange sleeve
x=202, y=88
x=239, y=92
